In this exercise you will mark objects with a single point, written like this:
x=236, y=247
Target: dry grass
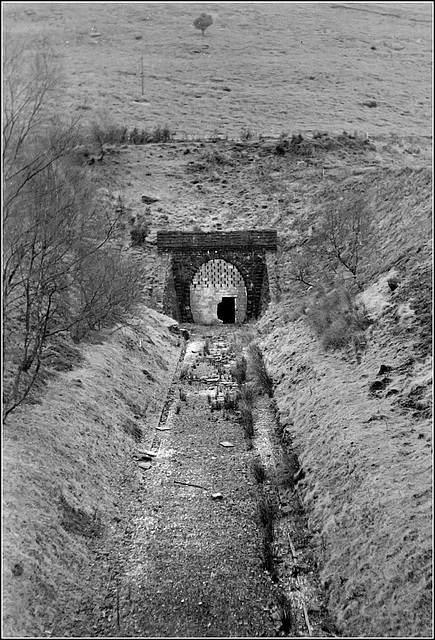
x=367, y=485
x=259, y=471
x=267, y=513
x=61, y=459
x=226, y=82
x=258, y=371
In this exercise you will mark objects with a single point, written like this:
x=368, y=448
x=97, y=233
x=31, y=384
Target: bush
x=138, y=235
x=117, y=134
x=336, y=319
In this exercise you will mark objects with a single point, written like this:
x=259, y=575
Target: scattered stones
x=149, y=199
x=145, y=452
x=379, y=385
x=176, y=330
x=393, y=283
x=383, y=369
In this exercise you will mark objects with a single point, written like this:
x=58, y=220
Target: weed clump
x=238, y=370
x=206, y=347
x=267, y=513
x=259, y=471
x=259, y=371
x=286, y=614
x=288, y=470
x=131, y=429
x=78, y=522
x=246, y=405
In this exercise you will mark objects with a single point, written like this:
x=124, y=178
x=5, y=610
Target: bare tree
x=346, y=228
x=60, y=271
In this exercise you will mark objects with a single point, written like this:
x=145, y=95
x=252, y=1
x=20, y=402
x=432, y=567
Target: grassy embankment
x=362, y=427
x=66, y=460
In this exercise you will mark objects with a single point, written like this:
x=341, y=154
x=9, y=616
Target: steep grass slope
x=65, y=462
x=368, y=476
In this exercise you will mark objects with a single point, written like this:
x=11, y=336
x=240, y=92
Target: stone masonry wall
x=246, y=253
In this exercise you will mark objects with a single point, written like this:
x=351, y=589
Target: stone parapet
x=245, y=240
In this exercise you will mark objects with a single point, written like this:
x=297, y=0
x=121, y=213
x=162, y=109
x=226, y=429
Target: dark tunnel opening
x=226, y=310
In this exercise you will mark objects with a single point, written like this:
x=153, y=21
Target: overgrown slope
x=65, y=461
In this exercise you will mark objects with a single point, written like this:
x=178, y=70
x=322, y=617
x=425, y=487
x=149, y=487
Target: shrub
x=109, y=134
x=139, y=234
x=116, y=134
x=337, y=320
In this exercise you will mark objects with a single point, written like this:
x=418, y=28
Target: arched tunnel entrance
x=220, y=276
x=218, y=294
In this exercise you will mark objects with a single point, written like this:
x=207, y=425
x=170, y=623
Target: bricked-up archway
x=218, y=291
x=247, y=251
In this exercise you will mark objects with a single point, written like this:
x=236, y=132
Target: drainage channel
x=205, y=556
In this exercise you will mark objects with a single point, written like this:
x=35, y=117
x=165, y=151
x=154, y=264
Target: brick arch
x=222, y=279
x=189, y=251
x=235, y=260
x=250, y=266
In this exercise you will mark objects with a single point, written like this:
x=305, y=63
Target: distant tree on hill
x=202, y=22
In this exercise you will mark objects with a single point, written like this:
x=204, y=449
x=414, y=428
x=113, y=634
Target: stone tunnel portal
x=218, y=292
x=220, y=276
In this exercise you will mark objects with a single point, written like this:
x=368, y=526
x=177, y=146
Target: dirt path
x=193, y=567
